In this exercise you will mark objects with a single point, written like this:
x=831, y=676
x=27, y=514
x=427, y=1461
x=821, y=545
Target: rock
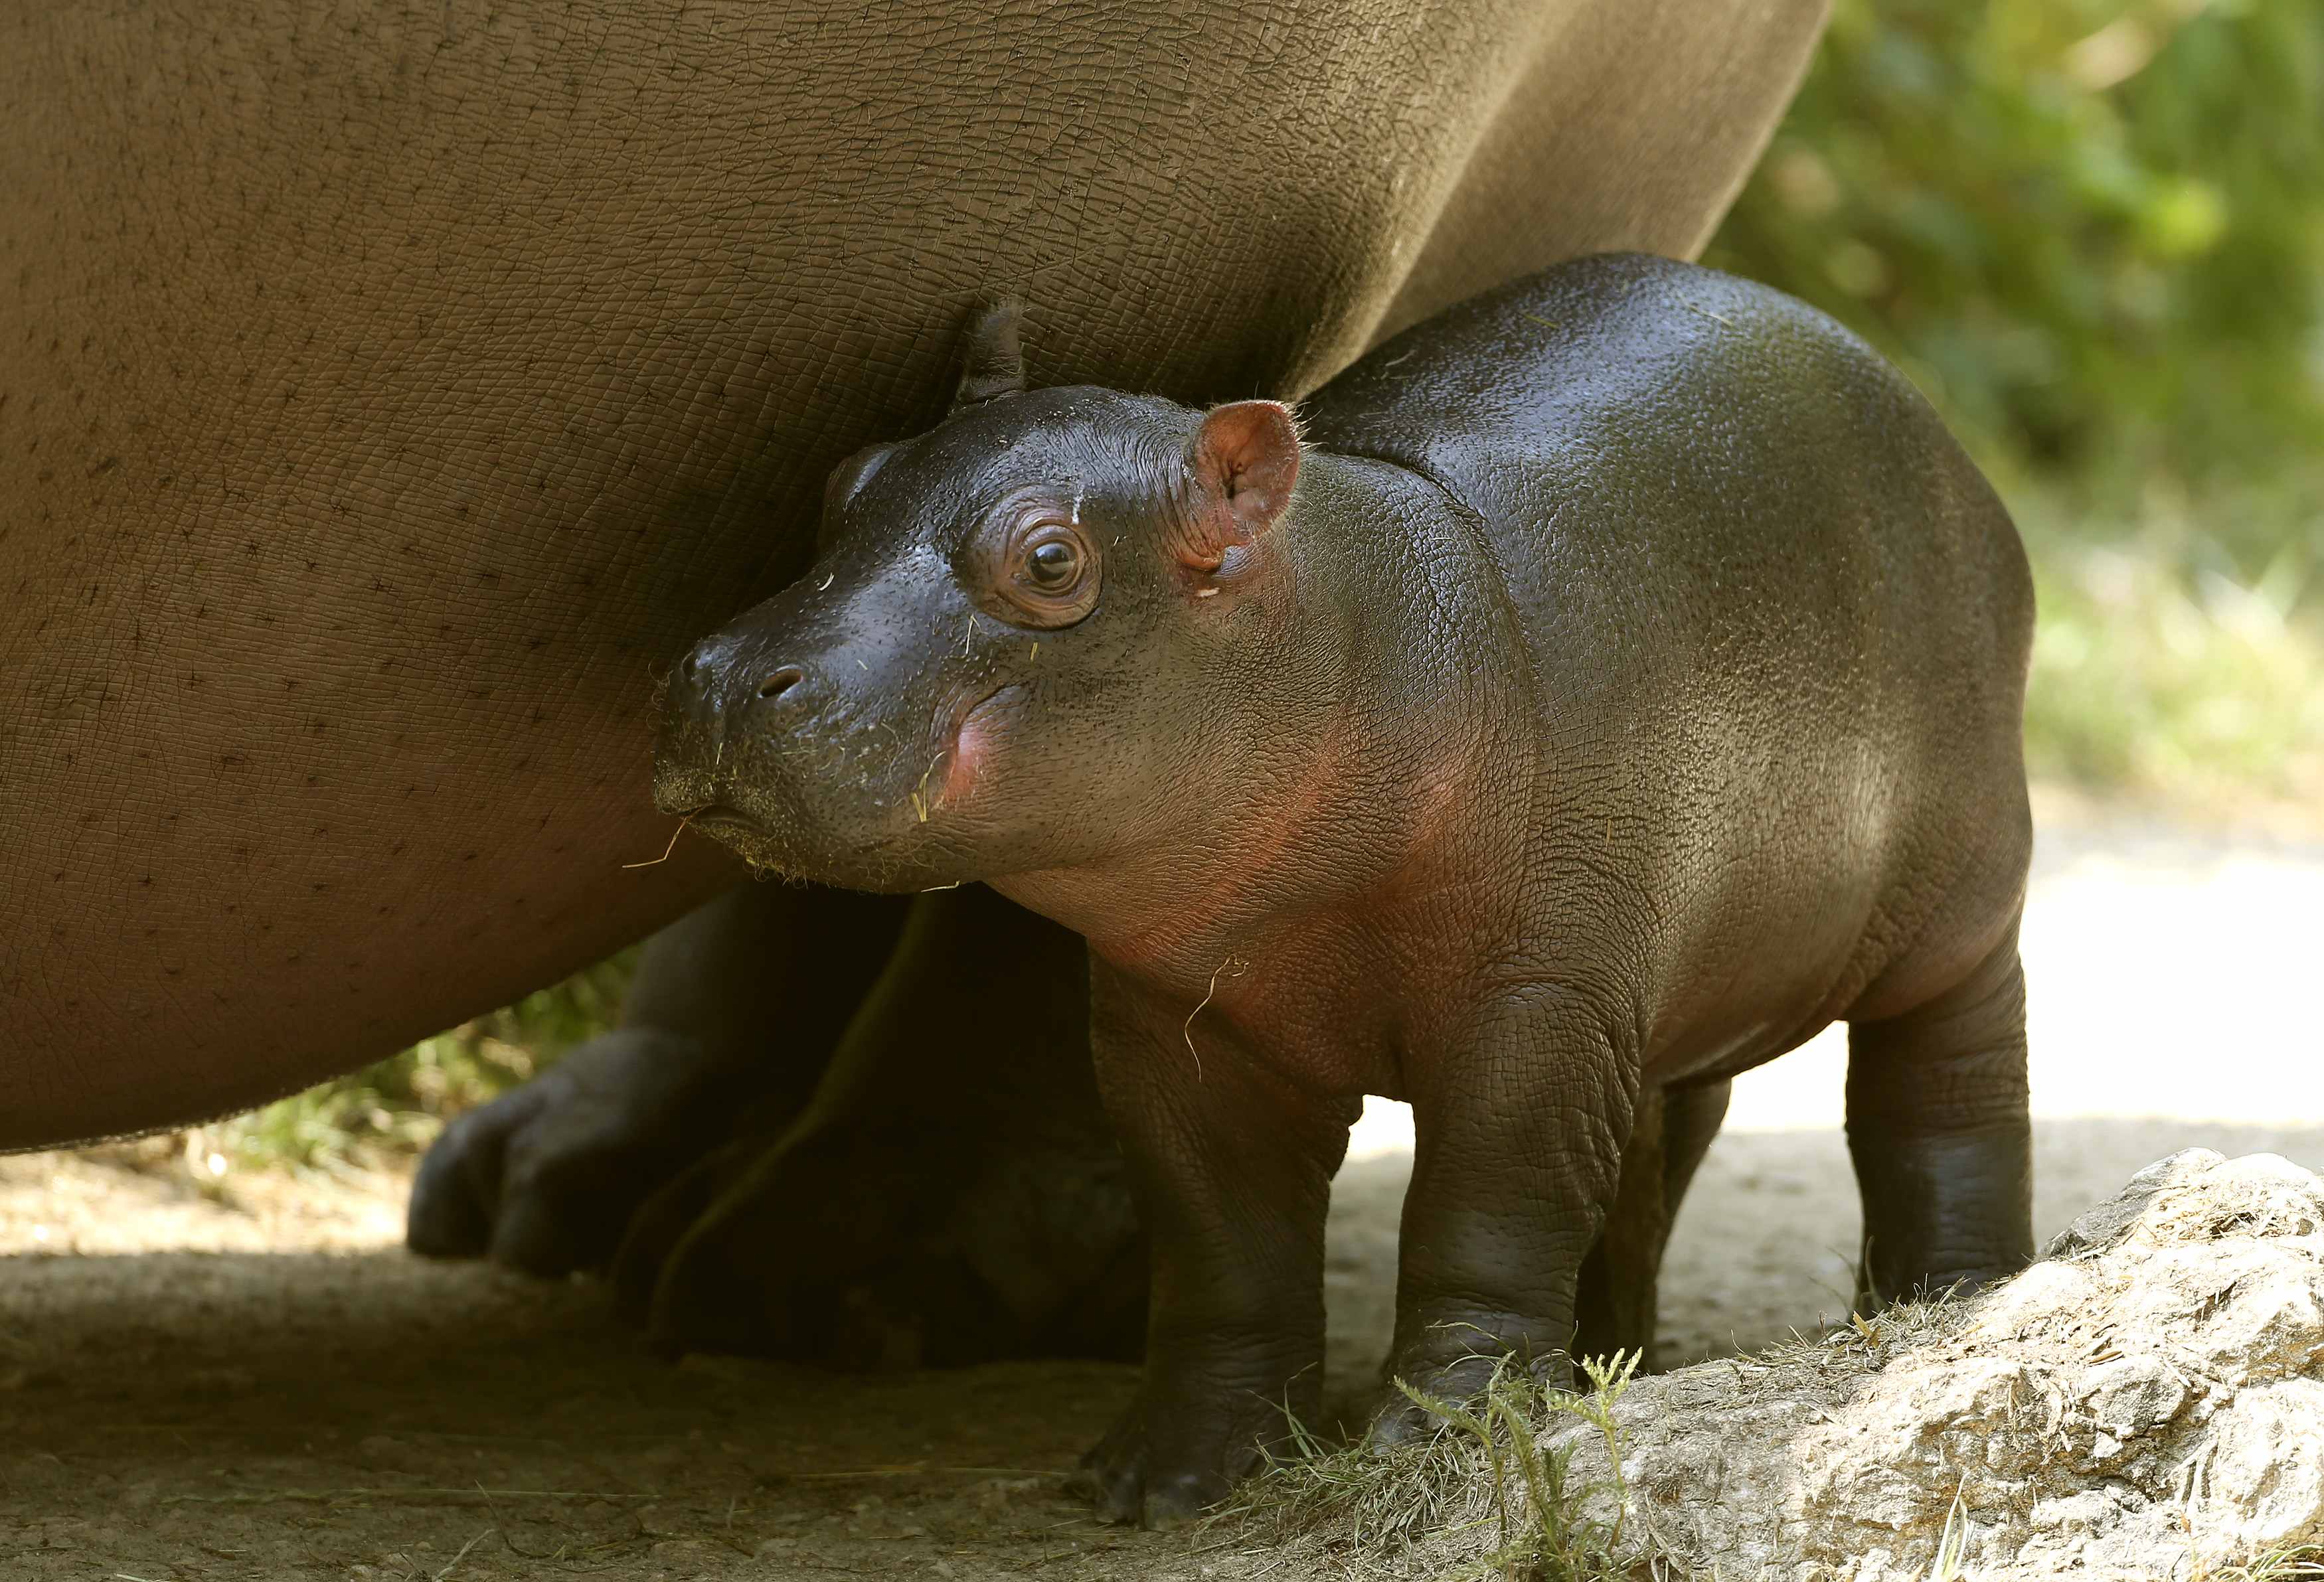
x=2146, y=1401
x=2131, y=1395
x=2103, y=1226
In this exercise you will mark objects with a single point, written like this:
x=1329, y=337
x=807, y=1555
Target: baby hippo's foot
x=1458, y=1383
x=1453, y=1350
x=545, y=1178
x=1174, y=1454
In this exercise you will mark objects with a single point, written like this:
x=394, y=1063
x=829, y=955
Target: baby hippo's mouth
x=866, y=804
x=715, y=818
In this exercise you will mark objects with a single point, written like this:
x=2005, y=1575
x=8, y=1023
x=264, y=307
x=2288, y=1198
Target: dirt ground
x=234, y=1377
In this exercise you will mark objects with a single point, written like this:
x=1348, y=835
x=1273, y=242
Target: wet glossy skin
x=1628, y=686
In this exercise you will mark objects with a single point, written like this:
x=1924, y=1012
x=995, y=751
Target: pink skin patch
x=973, y=746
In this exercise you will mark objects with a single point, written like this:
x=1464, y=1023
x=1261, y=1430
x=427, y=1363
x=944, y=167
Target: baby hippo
x=1609, y=682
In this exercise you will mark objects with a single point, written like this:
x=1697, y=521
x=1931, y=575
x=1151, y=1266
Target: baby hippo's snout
x=733, y=690
x=719, y=690
x=812, y=742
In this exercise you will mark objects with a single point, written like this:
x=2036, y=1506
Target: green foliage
x=2158, y=669
x=1546, y=1534
x=2090, y=229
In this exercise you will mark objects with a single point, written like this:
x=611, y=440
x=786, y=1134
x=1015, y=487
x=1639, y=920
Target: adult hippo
x=391, y=393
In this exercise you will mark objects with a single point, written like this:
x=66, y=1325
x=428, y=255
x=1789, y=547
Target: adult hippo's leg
x=385, y=401
x=728, y=1026
x=951, y=1194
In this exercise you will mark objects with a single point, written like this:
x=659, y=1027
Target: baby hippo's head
x=1028, y=644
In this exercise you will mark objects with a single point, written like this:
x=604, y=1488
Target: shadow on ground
x=238, y=1415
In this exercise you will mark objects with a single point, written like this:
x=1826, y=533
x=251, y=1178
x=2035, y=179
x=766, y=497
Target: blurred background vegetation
x=2092, y=231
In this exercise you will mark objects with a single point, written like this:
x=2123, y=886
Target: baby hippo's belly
x=1828, y=881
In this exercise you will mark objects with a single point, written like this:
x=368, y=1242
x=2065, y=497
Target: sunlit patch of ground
x=153, y=1194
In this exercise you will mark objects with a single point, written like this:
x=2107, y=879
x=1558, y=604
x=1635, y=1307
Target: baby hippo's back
x=1772, y=624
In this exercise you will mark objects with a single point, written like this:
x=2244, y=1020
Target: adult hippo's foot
x=545, y=1179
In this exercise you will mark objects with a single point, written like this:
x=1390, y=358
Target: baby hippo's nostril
x=781, y=681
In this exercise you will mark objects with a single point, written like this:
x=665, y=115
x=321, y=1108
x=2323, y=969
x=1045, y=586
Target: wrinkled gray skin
x=1624, y=683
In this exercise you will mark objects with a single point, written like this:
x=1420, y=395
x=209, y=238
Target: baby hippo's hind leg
x=1616, y=1300
x=1938, y=1127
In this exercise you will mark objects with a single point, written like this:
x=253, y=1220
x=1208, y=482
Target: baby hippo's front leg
x=1232, y=1168
x=1519, y=1119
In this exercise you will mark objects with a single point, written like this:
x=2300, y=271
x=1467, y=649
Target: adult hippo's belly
x=390, y=394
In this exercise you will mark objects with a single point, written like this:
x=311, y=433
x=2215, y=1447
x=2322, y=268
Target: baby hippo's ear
x=991, y=355
x=1244, y=459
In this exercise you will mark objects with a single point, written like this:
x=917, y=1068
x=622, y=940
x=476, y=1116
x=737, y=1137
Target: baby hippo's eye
x=1047, y=573
x=1054, y=563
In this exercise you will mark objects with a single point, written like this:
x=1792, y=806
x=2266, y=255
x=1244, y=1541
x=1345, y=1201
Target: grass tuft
x=2302, y=1562
x=1496, y=1458
x=1952, y=1543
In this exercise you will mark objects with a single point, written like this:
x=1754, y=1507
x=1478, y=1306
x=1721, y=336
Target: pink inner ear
x=1247, y=459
